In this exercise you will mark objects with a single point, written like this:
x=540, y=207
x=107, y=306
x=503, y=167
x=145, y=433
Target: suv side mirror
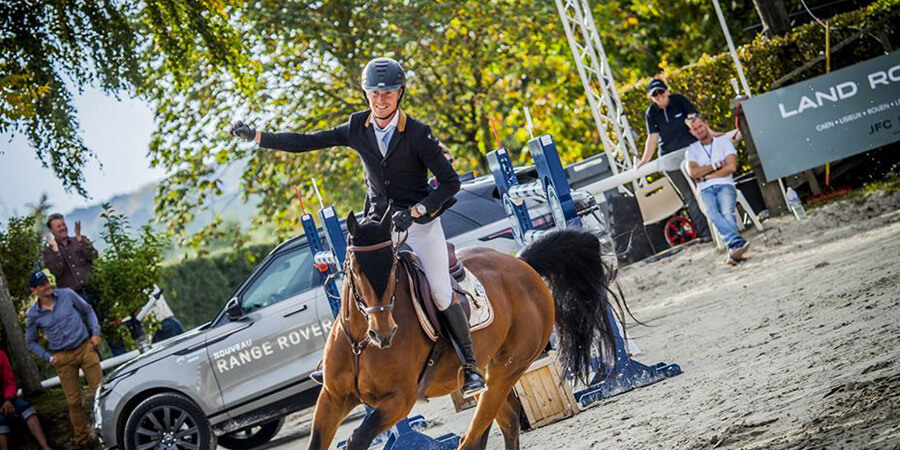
x=233, y=309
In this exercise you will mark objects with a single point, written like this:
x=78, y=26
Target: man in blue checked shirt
x=60, y=313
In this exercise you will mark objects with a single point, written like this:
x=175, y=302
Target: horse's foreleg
x=330, y=411
x=508, y=420
x=388, y=412
x=489, y=404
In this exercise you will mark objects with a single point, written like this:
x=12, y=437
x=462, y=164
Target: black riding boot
x=458, y=327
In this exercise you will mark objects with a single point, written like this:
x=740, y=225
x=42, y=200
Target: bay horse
x=376, y=349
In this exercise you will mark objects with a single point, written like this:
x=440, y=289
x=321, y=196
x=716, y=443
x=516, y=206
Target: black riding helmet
x=383, y=74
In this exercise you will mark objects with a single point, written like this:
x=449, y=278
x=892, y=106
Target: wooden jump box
x=543, y=398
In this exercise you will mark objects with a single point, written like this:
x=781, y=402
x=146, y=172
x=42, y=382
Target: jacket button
x=387, y=182
x=384, y=164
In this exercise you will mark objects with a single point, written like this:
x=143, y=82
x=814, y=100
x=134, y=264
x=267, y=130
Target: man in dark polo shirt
x=60, y=314
x=666, y=130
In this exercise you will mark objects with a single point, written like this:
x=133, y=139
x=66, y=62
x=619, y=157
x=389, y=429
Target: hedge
x=707, y=82
x=197, y=288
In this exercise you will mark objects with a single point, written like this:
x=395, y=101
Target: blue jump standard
x=625, y=375
x=406, y=436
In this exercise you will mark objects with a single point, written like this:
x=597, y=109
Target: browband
x=369, y=248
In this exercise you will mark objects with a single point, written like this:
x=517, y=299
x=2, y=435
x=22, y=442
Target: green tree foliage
x=125, y=272
x=469, y=62
x=48, y=49
x=20, y=255
x=20, y=252
x=197, y=288
x=707, y=81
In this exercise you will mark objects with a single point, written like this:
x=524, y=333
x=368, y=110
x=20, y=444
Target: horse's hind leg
x=388, y=412
x=330, y=411
x=508, y=420
x=489, y=405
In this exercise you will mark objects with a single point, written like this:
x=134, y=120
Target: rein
x=357, y=346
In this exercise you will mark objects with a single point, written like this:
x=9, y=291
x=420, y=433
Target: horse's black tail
x=569, y=260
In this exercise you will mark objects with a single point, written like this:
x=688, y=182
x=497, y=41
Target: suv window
x=287, y=275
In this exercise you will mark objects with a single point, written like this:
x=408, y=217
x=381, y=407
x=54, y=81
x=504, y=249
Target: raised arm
x=295, y=142
x=87, y=249
x=53, y=260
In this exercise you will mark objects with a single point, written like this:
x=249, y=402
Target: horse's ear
x=352, y=224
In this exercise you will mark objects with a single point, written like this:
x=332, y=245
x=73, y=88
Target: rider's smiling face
x=383, y=103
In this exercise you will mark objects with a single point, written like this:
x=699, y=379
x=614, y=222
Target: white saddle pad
x=482, y=311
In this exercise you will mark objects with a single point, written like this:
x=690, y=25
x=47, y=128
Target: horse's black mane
x=375, y=265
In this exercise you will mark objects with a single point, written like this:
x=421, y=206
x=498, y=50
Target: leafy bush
x=765, y=60
x=125, y=272
x=197, y=288
x=20, y=255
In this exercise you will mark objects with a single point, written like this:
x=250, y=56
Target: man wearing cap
x=397, y=152
x=60, y=314
x=666, y=130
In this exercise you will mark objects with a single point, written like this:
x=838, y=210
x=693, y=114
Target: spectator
x=711, y=162
x=158, y=307
x=666, y=130
x=14, y=405
x=70, y=259
x=60, y=313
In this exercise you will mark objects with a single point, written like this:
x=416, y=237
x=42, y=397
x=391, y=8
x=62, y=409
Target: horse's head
x=373, y=276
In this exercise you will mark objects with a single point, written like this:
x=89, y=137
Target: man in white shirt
x=158, y=307
x=711, y=162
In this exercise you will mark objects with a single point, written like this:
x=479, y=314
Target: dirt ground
x=797, y=348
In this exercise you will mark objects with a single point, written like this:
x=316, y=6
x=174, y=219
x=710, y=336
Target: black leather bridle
x=360, y=304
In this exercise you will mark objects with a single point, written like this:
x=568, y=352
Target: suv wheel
x=251, y=437
x=169, y=421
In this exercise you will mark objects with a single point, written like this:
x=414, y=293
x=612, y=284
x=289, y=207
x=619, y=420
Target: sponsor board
x=828, y=117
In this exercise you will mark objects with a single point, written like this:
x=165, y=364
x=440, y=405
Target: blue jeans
x=171, y=327
x=23, y=409
x=720, y=201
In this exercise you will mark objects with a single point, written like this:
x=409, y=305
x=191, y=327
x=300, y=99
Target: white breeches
x=430, y=245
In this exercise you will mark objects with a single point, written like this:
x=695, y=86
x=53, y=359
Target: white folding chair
x=741, y=200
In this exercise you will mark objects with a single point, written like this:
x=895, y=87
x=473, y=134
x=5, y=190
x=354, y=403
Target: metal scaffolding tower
x=599, y=86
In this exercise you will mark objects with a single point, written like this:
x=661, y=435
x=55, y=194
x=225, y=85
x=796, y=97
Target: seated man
x=711, y=161
x=13, y=405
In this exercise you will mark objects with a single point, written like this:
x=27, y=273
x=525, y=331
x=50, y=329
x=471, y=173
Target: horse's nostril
x=373, y=336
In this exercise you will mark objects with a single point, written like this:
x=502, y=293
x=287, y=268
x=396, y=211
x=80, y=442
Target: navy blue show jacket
x=401, y=176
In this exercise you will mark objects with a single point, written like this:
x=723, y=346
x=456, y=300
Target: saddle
x=466, y=286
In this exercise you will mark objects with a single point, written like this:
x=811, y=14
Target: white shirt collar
x=391, y=125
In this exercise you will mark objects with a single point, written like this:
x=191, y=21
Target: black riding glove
x=241, y=130
x=402, y=220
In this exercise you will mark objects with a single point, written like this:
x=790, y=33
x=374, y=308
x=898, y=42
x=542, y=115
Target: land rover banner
x=827, y=118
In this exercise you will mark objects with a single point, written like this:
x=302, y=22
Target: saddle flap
x=422, y=293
